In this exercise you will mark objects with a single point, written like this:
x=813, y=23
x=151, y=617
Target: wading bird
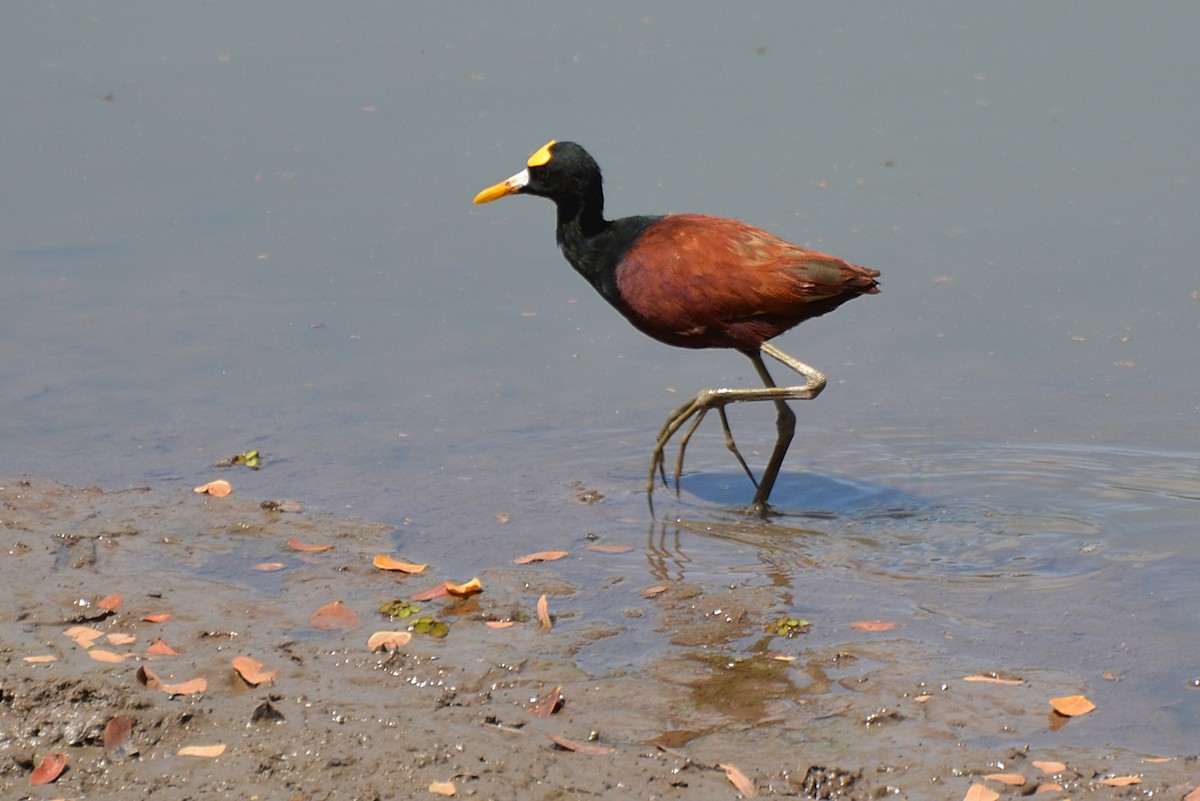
x=694, y=281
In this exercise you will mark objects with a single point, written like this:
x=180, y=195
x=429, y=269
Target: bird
x=694, y=281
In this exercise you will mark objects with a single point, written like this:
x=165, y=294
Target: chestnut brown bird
x=694, y=281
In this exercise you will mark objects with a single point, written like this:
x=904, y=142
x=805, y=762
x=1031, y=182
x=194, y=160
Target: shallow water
x=235, y=228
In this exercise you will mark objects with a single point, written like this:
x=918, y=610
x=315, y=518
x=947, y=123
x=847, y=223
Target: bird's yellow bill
x=504, y=188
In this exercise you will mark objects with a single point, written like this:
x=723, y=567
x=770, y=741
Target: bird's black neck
x=595, y=246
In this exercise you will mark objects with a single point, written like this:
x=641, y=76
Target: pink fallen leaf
x=251, y=671
x=390, y=640
x=49, y=769
x=116, y=735
x=218, y=489
x=335, y=615
x=981, y=792
x=739, y=780
x=540, y=556
x=100, y=655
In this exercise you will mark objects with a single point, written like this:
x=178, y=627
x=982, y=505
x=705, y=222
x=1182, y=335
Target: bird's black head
x=561, y=171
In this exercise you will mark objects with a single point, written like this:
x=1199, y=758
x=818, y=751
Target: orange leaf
x=334, y=615
x=873, y=625
x=544, y=705
x=581, y=748
x=651, y=592
x=267, y=567
x=51, y=768
x=110, y=602
x=157, y=618
x=40, y=660
x=117, y=733
x=981, y=792
x=540, y=556
x=739, y=780
x=251, y=671
x=160, y=648
x=385, y=562
x=1072, y=705
x=218, y=489
x=993, y=678
x=610, y=547
x=391, y=640
x=297, y=545
x=1121, y=781
x=100, y=655
x=209, y=751
x=1194, y=795
x=491, y=624
x=148, y=678
x=443, y=788
x=431, y=593
x=543, y=614
x=85, y=636
x=503, y=518
x=120, y=638
x=1051, y=787
x=468, y=588
x=1011, y=779
x=1046, y=766
x=189, y=687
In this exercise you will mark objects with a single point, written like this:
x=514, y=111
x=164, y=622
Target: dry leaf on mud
x=545, y=704
x=503, y=518
x=251, y=671
x=873, y=625
x=651, y=592
x=391, y=640
x=160, y=648
x=332, y=616
x=157, y=618
x=995, y=678
x=100, y=655
x=110, y=602
x=439, y=591
x=543, y=614
x=1011, y=779
x=120, y=638
x=1047, y=766
x=443, y=788
x=297, y=545
x=981, y=792
x=84, y=636
x=540, y=556
x=739, y=780
x=151, y=680
x=208, y=751
x=39, y=660
x=466, y=588
x=218, y=489
x=1072, y=705
x=491, y=624
x=385, y=562
x=610, y=547
x=268, y=567
x=116, y=735
x=581, y=748
x=50, y=768
x=1121, y=781
x=1194, y=795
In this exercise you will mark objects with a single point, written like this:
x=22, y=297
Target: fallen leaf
x=540, y=556
x=50, y=768
x=189, y=687
x=218, y=489
x=334, y=615
x=120, y=638
x=267, y=567
x=1046, y=766
x=100, y=655
x=40, y=660
x=158, y=617
x=1011, y=779
x=582, y=748
x=391, y=640
x=1194, y=795
x=85, y=636
x=993, y=678
x=1158, y=760
x=443, y=788
x=433, y=592
x=610, y=547
x=1049, y=787
x=1072, y=705
x=544, y=705
x=467, y=588
x=981, y=792
x=116, y=735
x=297, y=545
x=209, y=751
x=385, y=562
x=872, y=625
x=739, y=780
x=491, y=624
x=110, y=602
x=657, y=589
x=251, y=671
x=1121, y=781
x=503, y=518
x=543, y=614
x=160, y=648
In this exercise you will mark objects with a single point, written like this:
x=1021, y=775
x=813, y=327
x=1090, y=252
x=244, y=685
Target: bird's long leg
x=719, y=398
